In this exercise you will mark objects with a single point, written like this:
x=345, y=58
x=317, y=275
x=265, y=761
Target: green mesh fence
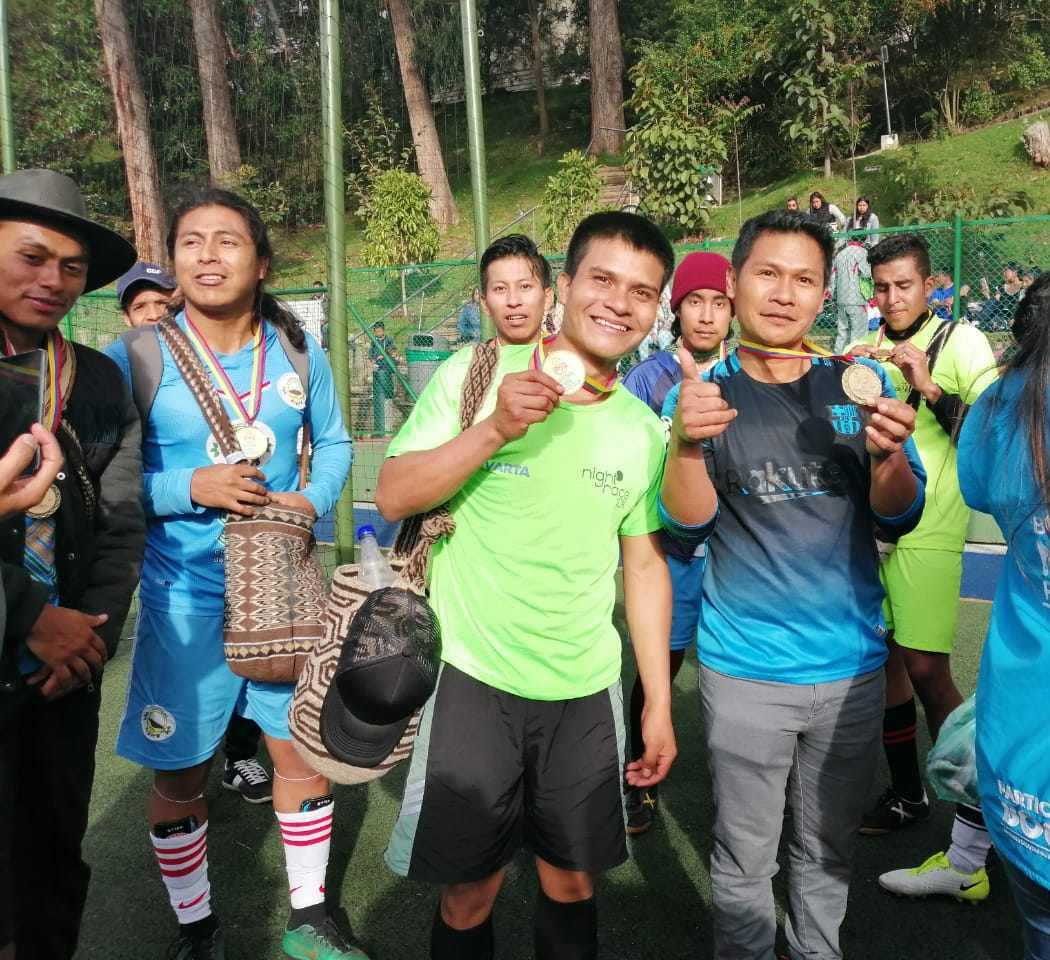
x=986, y=265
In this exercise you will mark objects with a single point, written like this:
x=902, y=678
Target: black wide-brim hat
x=54, y=199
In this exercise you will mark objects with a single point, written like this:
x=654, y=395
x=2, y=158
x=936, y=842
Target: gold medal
x=252, y=441
x=48, y=506
x=566, y=368
x=861, y=384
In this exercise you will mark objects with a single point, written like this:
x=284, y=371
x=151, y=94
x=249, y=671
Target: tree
x=140, y=160
x=429, y=158
x=814, y=74
x=224, y=153
x=606, y=53
x=535, y=24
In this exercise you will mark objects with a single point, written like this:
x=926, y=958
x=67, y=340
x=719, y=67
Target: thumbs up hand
x=701, y=412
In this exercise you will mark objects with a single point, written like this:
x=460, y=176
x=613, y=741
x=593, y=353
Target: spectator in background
x=792, y=205
x=864, y=219
x=824, y=213
x=383, y=354
x=848, y=273
x=516, y=290
x=1030, y=275
x=942, y=296
x=660, y=337
x=143, y=293
x=468, y=324
x=703, y=312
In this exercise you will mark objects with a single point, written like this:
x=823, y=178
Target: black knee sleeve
x=566, y=931
x=447, y=943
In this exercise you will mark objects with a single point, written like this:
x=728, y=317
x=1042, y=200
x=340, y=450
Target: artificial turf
x=655, y=907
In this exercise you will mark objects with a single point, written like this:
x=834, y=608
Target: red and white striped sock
x=183, y=861
x=307, y=838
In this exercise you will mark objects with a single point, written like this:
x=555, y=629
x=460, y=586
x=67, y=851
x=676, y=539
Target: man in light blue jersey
x=182, y=693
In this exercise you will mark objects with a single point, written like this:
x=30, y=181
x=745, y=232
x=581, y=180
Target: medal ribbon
x=56, y=352
x=590, y=384
x=811, y=352
x=220, y=377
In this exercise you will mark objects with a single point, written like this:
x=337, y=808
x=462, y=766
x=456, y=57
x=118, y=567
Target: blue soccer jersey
x=1013, y=685
x=183, y=566
x=791, y=592
x=652, y=379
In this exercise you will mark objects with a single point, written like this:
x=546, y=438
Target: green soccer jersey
x=524, y=589
x=965, y=366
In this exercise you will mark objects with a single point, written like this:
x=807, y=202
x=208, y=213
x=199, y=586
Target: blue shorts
x=181, y=694
x=686, y=579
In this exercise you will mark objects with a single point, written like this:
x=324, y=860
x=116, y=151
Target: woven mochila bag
x=275, y=588
x=409, y=561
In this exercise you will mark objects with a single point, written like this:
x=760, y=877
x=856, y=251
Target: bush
x=268, y=197
x=1030, y=66
x=373, y=146
x=398, y=225
x=979, y=104
x=570, y=195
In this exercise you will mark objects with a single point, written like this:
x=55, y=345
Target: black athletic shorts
x=492, y=771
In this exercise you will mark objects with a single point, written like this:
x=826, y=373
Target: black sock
x=566, y=931
x=314, y=915
x=447, y=943
x=200, y=929
x=902, y=753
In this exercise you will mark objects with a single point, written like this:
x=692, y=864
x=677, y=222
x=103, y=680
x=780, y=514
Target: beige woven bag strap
x=419, y=533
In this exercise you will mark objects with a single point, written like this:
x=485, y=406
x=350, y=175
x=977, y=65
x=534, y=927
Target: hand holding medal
x=701, y=412
x=524, y=399
x=890, y=425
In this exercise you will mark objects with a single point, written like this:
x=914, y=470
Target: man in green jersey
x=941, y=368
x=522, y=742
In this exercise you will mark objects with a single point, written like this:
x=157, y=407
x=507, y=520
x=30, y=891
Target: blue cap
x=142, y=272
x=365, y=531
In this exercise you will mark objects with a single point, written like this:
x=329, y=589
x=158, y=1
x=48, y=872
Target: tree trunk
x=537, y=70
x=278, y=28
x=140, y=161
x=607, y=122
x=224, y=153
x=429, y=158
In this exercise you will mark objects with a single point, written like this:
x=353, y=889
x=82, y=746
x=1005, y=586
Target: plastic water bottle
x=374, y=570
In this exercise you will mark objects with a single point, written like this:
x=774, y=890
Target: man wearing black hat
x=70, y=564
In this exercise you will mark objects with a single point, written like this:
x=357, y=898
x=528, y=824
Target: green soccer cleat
x=937, y=877
x=326, y=942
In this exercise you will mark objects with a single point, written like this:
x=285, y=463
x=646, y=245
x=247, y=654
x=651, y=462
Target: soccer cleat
x=248, y=778
x=937, y=876
x=640, y=805
x=892, y=811
x=210, y=947
x=330, y=941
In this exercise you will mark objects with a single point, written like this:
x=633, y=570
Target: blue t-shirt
x=652, y=379
x=939, y=296
x=791, y=592
x=1013, y=685
x=183, y=566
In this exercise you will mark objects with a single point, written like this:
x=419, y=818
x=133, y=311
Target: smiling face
x=515, y=299
x=42, y=272
x=704, y=316
x=901, y=291
x=611, y=302
x=216, y=264
x=779, y=289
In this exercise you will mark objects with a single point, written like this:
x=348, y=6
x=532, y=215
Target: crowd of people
x=727, y=484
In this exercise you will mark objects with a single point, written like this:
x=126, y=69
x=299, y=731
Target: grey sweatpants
x=851, y=325
x=821, y=743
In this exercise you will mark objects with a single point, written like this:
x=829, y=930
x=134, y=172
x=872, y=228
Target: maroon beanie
x=698, y=271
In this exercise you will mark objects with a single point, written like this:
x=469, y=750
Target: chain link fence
x=403, y=321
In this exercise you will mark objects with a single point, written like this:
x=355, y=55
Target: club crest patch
x=157, y=724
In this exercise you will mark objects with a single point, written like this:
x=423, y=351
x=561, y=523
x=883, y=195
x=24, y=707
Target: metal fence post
x=335, y=224
x=475, y=137
x=7, y=120
x=957, y=257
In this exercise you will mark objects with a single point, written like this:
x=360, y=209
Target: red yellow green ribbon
x=220, y=377
x=590, y=384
